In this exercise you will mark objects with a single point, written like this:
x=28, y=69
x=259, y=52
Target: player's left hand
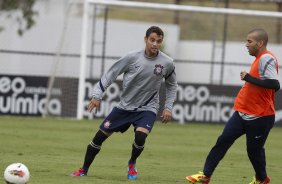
x=166, y=116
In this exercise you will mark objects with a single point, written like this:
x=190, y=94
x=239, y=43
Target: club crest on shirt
x=107, y=124
x=158, y=69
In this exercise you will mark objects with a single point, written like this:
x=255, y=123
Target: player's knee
x=253, y=149
x=140, y=138
x=224, y=140
x=99, y=138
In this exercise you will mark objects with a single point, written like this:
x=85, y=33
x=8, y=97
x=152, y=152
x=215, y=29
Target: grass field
x=53, y=148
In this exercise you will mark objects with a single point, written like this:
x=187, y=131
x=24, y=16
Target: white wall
x=235, y=52
x=49, y=33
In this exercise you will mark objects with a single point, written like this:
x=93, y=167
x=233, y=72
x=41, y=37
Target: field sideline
x=53, y=148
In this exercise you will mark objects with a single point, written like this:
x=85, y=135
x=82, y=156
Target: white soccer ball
x=16, y=173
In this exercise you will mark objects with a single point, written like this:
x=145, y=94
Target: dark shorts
x=120, y=120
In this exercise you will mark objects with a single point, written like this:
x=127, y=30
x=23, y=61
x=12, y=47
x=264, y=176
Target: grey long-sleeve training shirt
x=141, y=81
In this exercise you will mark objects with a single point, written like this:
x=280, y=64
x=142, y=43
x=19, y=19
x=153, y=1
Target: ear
x=145, y=39
x=261, y=43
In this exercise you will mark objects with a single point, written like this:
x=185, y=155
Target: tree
x=20, y=10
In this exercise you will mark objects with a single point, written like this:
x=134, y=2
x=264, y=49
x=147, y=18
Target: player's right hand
x=93, y=104
x=243, y=74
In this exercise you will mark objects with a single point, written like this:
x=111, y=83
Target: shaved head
x=260, y=35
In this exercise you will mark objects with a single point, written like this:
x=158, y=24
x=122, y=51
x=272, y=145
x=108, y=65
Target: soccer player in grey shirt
x=143, y=72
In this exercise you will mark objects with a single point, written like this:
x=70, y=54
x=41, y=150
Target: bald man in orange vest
x=254, y=112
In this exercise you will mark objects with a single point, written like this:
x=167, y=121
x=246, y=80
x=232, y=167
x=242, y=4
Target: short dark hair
x=261, y=35
x=154, y=29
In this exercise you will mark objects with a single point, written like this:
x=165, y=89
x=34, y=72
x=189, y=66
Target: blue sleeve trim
x=170, y=73
x=101, y=86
